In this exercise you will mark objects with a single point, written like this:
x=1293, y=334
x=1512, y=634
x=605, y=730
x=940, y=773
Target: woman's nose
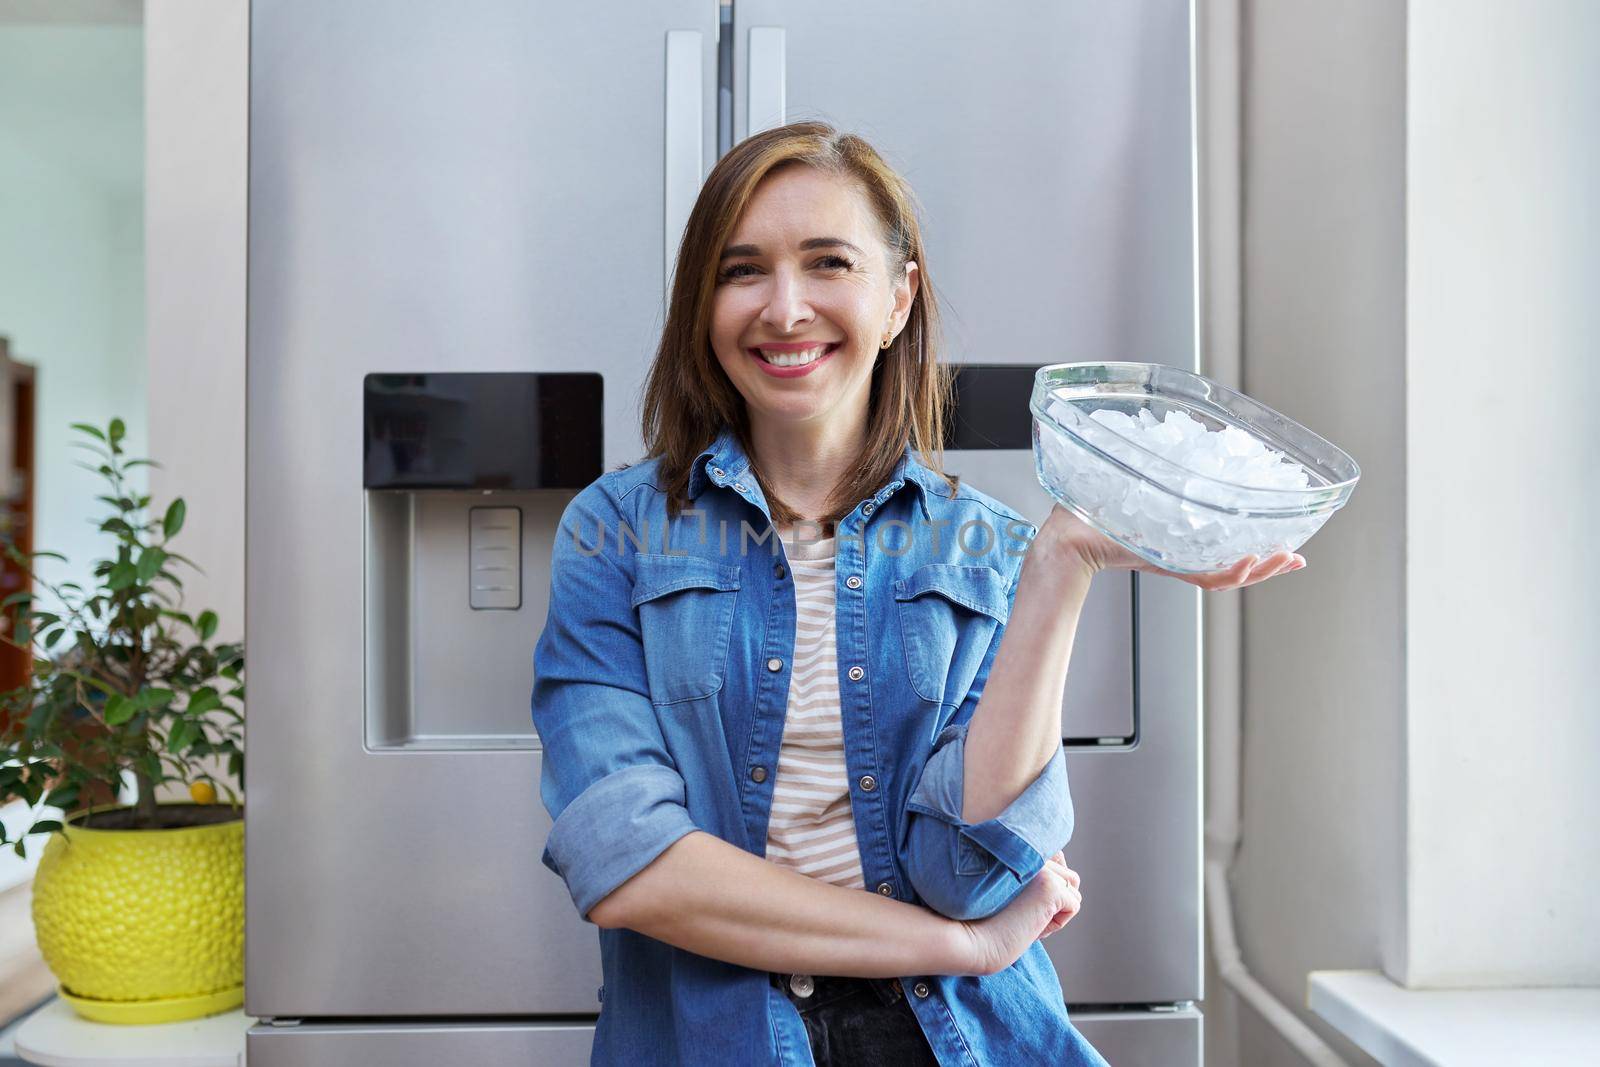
x=787, y=302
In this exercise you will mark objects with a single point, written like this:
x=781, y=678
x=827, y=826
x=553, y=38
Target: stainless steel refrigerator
x=462, y=218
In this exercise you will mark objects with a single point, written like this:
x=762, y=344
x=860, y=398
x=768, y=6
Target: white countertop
x=57, y=1036
x=1402, y=1027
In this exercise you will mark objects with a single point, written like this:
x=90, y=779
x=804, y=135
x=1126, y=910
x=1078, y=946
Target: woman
x=812, y=799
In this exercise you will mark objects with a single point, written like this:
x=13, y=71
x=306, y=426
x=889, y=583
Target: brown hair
x=688, y=397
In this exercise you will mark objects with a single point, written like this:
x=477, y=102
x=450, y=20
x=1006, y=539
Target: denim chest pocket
x=685, y=606
x=948, y=612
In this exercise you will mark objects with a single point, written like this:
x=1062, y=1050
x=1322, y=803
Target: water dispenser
x=466, y=476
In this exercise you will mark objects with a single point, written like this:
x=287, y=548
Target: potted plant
x=138, y=910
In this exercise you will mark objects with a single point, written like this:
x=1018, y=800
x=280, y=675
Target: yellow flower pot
x=145, y=926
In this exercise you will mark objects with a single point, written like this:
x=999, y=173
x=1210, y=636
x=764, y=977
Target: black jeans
x=859, y=1022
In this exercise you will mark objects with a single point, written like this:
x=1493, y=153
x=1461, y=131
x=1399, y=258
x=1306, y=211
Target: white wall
x=71, y=251
x=71, y=283
x=1421, y=254
x=196, y=117
x=1503, y=587
x=1319, y=877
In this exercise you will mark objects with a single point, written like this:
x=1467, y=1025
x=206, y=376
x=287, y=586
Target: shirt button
x=868, y=783
x=774, y=664
x=868, y=508
x=738, y=487
x=778, y=571
x=717, y=471
x=921, y=989
x=885, y=889
x=758, y=774
x=856, y=674
x=854, y=581
x=802, y=985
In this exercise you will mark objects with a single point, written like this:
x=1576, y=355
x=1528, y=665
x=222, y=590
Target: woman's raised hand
x=1045, y=905
x=1064, y=531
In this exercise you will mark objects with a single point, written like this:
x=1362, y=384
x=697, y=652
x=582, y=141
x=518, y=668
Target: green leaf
x=122, y=575
x=52, y=637
x=150, y=561
x=48, y=826
x=93, y=431
x=16, y=598
x=48, y=555
x=205, y=699
x=119, y=709
x=153, y=698
x=206, y=624
x=141, y=463
x=17, y=848
x=180, y=736
x=118, y=430
x=174, y=520
x=64, y=796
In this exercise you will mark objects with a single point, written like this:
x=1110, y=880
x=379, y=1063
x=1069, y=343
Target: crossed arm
x=693, y=890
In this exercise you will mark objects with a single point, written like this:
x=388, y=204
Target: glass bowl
x=1176, y=517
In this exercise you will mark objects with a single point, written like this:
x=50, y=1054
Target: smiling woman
x=814, y=796
x=801, y=276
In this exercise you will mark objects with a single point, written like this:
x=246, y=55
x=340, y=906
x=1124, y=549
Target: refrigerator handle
x=767, y=79
x=684, y=118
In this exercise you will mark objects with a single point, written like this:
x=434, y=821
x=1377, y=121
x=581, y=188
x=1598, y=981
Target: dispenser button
x=494, y=558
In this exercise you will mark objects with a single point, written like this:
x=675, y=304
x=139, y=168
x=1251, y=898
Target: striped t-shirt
x=811, y=829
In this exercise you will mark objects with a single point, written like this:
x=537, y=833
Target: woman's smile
x=792, y=360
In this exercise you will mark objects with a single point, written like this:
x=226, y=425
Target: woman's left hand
x=1064, y=532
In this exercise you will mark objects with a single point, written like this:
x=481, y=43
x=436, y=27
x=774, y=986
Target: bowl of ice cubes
x=1181, y=470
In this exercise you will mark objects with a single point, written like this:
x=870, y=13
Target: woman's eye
x=831, y=262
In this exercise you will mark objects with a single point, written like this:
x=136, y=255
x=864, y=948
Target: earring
x=888, y=339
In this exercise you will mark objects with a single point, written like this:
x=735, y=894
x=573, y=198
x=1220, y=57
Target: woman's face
x=805, y=279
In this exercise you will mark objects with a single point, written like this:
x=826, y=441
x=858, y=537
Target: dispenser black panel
x=991, y=406
x=482, y=431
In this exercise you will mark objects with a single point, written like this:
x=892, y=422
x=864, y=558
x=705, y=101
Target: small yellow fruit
x=203, y=792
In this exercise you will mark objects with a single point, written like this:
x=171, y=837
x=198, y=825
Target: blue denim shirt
x=661, y=685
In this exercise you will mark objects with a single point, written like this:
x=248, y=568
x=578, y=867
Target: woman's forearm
x=715, y=899
x=1016, y=727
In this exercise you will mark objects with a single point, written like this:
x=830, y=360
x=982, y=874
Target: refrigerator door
x=482, y=186
x=1145, y=1038
x=1051, y=148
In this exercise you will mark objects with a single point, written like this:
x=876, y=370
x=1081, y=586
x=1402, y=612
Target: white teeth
x=794, y=359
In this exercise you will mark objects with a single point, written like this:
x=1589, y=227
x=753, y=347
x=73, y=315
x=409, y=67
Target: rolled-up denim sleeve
x=970, y=870
x=608, y=781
